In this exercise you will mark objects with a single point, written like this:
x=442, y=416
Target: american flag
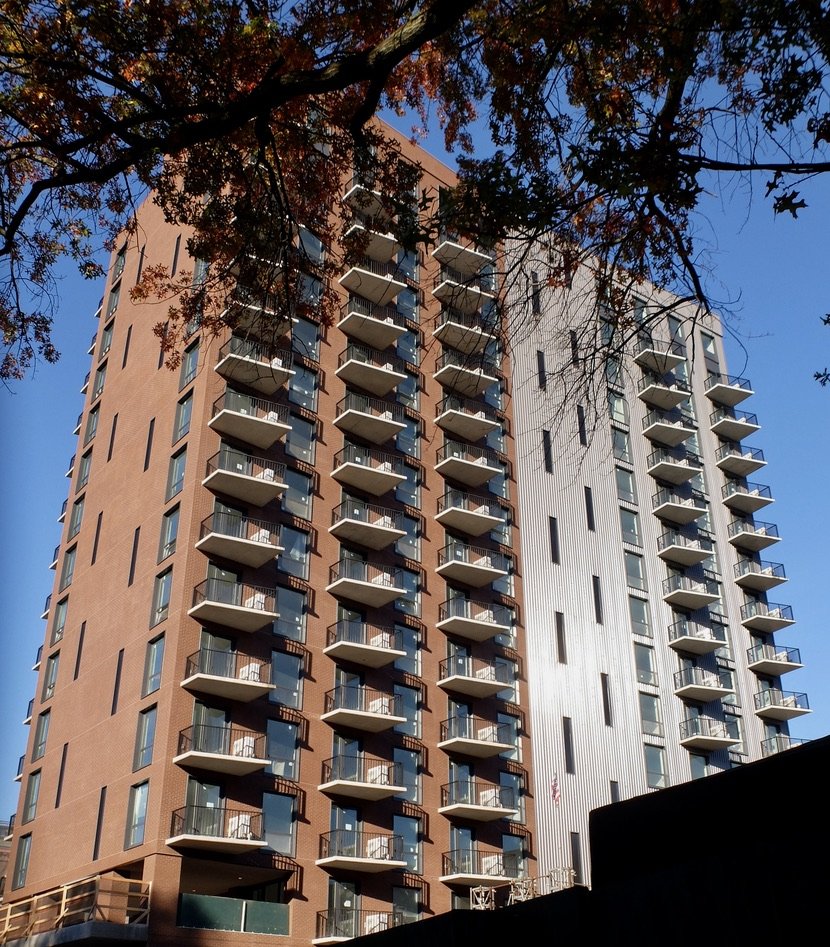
x=555, y=794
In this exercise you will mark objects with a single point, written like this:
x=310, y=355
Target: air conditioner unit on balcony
x=266, y=474
x=261, y=536
x=244, y=746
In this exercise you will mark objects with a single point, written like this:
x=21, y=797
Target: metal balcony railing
x=255, y=351
x=352, y=843
x=485, y=282
x=217, y=822
x=733, y=381
x=774, y=697
x=736, y=527
x=476, y=729
x=467, y=406
x=709, y=727
x=237, y=526
x=374, y=406
x=260, y=408
x=363, y=699
x=769, y=652
x=369, y=356
x=359, y=571
x=497, y=864
x=380, y=516
x=734, y=488
x=362, y=769
x=473, y=792
x=701, y=678
x=364, y=307
x=222, y=741
x=354, y=631
x=472, y=610
x=469, y=452
x=474, y=556
x=228, y=592
x=370, y=457
x=231, y=665
x=766, y=610
x=733, y=414
x=471, y=503
x=450, y=358
x=238, y=462
x=734, y=449
x=478, y=668
x=749, y=567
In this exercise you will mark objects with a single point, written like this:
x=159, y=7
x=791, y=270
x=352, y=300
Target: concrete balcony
x=471, y=565
x=245, y=362
x=466, y=375
x=239, y=539
x=336, y=926
x=739, y=461
x=373, y=235
x=462, y=256
x=362, y=197
x=759, y=576
x=361, y=777
x=469, y=513
x=252, y=420
x=262, y=315
x=472, y=736
x=233, y=604
x=686, y=635
x=361, y=708
x=775, y=704
x=733, y=425
x=659, y=357
x=779, y=743
x=253, y=480
x=746, y=498
x=373, y=471
x=475, y=621
x=476, y=801
x=226, y=750
x=753, y=536
x=362, y=643
x=681, y=591
x=474, y=677
x=365, y=321
x=697, y=684
x=727, y=389
x=674, y=466
x=665, y=392
x=467, y=464
x=679, y=507
x=677, y=548
x=669, y=428
x=369, y=369
x=464, y=292
x=367, y=583
x=369, y=852
x=369, y=418
x=365, y=524
x=470, y=334
x=706, y=733
x=227, y=674
x=773, y=660
x=472, y=868
x=766, y=617
x=378, y=282
x=220, y=830
x=465, y=418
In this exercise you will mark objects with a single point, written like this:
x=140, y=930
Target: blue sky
x=775, y=267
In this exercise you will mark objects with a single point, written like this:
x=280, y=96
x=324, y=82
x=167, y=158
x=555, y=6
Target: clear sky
x=776, y=267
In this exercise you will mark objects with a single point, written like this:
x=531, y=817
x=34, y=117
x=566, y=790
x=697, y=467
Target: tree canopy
x=606, y=120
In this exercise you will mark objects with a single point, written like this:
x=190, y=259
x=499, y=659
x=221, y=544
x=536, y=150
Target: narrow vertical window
x=144, y=738
x=30, y=797
x=597, y=598
x=112, y=437
x=589, y=508
x=541, y=370
x=21, y=861
x=547, y=451
x=116, y=687
x=576, y=857
x=61, y=773
x=136, y=815
x=535, y=293
x=133, y=556
x=140, y=269
x=567, y=740
x=561, y=649
x=127, y=346
x=574, y=348
x=79, y=652
x=153, y=661
x=175, y=264
x=553, y=529
x=614, y=787
x=580, y=423
x=97, y=537
x=99, y=823
x=149, y=449
x=606, y=699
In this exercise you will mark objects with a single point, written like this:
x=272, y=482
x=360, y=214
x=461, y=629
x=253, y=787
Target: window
x=576, y=857
x=83, y=470
x=144, y=738
x=408, y=701
x=561, y=650
x=580, y=424
x=21, y=861
x=133, y=556
x=127, y=346
x=291, y=606
x=30, y=798
x=294, y=558
x=626, y=490
x=61, y=774
x=408, y=392
x=92, y=423
x=409, y=546
x=406, y=904
x=190, y=364
x=553, y=530
x=513, y=794
x=547, y=451
x=117, y=683
x=614, y=788
x=281, y=748
x=302, y=388
x=574, y=347
x=175, y=474
x=597, y=590
x=300, y=440
x=410, y=601
x=617, y=408
x=106, y=339
x=708, y=344
x=410, y=640
x=59, y=621
x=699, y=765
x=112, y=301
x=305, y=338
x=638, y=611
x=79, y=652
x=509, y=733
x=535, y=293
x=606, y=699
x=113, y=429
x=634, y=571
x=136, y=815
x=650, y=718
x=161, y=596
x=409, y=830
x=287, y=677
x=149, y=448
x=278, y=819
x=100, y=378
x=568, y=744
x=169, y=531
x=75, y=518
x=408, y=440
x=98, y=523
x=408, y=346
x=310, y=290
x=644, y=664
x=630, y=527
x=621, y=446
x=184, y=410
x=409, y=764
x=589, y=508
x=99, y=823
x=409, y=490
x=153, y=660
x=541, y=370
x=68, y=568
x=41, y=733
x=297, y=498
x=655, y=766
x=51, y=676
